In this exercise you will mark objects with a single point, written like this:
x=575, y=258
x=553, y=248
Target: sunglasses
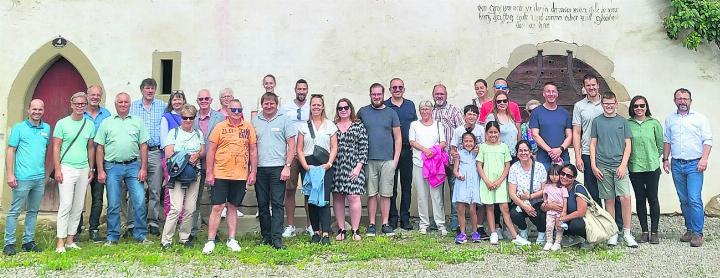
x=501, y=87
x=188, y=118
x=80, y=104
x=236, y=110
x=397, y=88
x=343, y=108
x=203, y=98
x=179, y=92
x=500, y=101
x=569, y=176
x=638, y=105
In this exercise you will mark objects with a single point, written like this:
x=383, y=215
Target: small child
x=466, y=193
x=554, y=192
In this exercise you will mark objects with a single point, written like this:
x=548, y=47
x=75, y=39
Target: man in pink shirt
x=500, y=85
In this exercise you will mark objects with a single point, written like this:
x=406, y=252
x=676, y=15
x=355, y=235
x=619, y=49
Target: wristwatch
x=287, y=165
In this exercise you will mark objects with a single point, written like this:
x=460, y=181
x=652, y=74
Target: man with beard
x=384, y=146
x=298, y=111
x=688, y=140
x=405, y=110
x=584, y=112
x=451, y=117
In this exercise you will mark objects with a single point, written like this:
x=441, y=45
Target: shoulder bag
x=52, y=173
x=320, y=154
x=599, y=224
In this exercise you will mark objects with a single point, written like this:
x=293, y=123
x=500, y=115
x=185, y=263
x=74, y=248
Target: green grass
x=431, y=251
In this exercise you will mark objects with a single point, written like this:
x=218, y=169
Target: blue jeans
x=688, y=184
x=26, y=191
x=116, y=174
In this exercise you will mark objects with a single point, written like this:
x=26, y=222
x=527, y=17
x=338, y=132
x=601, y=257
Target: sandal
x=356, y=235
x=340, y=235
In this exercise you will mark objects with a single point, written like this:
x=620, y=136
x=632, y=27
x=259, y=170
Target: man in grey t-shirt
x=610, y=148
x=384, y=145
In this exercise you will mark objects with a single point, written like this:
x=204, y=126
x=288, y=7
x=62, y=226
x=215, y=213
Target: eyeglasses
x=397, y=88
x=501, y=87
x=236, y=110
x=179, y=92
x=190, y=118
x=79, y=104
x=638, y=105
x=608, y=103
x=203, y=99
x=501, y=101
x=343, y=108
x=226, y=96
x=566, y=175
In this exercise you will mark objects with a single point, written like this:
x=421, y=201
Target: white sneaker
x=540, y=239
x=520, y=241
x=223, y=214
x=548, y=245
x=524, y=233
x=630, y=241
x=72, y=246
x=494, y=238
x=443, y=232
x=613, y=240
x=423, y=231
x=209, y=247
x=289, y=231
x=60, y=250
x=555, y=247
x=309, y=230
x=240, y=214
x=233, y=245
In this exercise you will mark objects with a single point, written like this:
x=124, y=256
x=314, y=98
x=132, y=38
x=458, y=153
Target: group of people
x=485, y=153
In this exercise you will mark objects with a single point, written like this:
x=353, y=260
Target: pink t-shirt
x=555, y=194
x=487, y=108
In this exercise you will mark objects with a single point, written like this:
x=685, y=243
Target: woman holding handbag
x=425, y=134
x=317, y=147
x=73, y=169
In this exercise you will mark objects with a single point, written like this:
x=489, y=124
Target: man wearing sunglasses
x=405, y=110
x=298, y=111
x=206, y=120
x=150, y=111
x=501, y=85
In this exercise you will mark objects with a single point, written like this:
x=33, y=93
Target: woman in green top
x=644, y=165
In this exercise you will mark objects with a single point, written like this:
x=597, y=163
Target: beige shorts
x=611, y=187
x=380, y=175
x=292, y=181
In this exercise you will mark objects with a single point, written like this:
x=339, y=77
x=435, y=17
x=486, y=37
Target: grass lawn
x=432, y=251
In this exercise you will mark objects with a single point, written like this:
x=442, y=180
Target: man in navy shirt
x=551, y=127
x=405, y=110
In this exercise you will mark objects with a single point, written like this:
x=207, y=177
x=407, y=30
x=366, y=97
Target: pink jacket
x=434, y=167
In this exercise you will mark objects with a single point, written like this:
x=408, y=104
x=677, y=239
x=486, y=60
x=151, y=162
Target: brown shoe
x=654, y=238
x=686, y=237
x=645, y=237
x=697, y=240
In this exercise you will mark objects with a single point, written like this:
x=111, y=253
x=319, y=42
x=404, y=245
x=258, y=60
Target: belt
x=123, y=162
x=685, y=160
x=153, y=148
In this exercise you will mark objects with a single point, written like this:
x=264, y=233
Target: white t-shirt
x=298, y=114
x=322, y=136
x=521, y=179
x=426, y=136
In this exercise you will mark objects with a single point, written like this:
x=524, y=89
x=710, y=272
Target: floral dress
x=352, y=148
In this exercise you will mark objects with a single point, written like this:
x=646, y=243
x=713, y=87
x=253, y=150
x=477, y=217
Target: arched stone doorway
x=27, y=82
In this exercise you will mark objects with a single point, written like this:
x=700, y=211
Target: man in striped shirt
x=451, y=117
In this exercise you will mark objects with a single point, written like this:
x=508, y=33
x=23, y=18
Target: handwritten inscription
x=538, y=16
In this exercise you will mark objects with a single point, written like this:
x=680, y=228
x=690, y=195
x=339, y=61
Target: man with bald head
x=205, y=121
x=25, y=173
x=122, y=154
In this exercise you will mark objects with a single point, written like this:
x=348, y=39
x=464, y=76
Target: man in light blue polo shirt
x=150, y=110
x=276, y=151
x=25, y=172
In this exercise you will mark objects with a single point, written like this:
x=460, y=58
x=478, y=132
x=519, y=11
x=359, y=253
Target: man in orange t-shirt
x=231, y=164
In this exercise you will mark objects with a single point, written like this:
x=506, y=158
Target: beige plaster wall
x=341, y=47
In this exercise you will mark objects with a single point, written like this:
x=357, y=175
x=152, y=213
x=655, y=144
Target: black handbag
x=52, y=173
x=320, y=154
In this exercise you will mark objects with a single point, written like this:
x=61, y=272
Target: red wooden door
x=56, y=86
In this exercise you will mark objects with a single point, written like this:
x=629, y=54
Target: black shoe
x=325, y=240
x=154, y=231
x=165, y=246
x=95, y=236
x=370, y=230
x=406, y=226
x=9, y=250
x=278, y=245
x=483, y=234
x=128, y=233
x=387, y=230
x=315, y=238
x=31, y=247
x=191, y=238
x=188, y=244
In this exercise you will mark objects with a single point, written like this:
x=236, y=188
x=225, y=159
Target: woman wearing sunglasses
x=576, y=206
x=644, y=165
x=508, y=126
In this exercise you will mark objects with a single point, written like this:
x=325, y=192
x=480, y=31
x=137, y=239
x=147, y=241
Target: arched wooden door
x=527, y=79
x=58, y=83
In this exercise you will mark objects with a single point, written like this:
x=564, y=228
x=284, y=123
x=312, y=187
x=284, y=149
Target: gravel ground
x=670, y=258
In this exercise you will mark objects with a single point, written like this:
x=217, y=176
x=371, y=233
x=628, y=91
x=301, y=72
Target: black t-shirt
x=572, y=199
